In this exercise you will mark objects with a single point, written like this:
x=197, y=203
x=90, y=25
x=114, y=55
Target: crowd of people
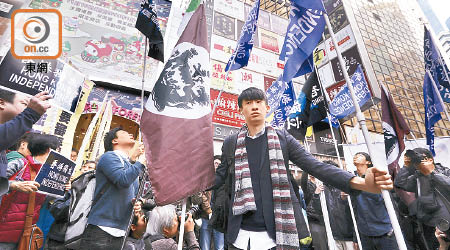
x=256, y=203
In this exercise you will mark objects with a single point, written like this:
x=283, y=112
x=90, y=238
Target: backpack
x=82, y=193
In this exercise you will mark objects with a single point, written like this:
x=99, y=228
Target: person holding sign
x=13, y=209
x=117, y=184
x=18, y=113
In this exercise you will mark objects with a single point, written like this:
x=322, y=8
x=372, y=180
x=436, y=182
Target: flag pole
x=183, y=221
x=341, y=166
x=371, y=149
x=438, y=94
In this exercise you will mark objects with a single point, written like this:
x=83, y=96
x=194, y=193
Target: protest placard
x=60, y=80
x=54, y=174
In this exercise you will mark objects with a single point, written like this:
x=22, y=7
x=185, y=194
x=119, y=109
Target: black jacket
x=438, y=182
x=292, y=151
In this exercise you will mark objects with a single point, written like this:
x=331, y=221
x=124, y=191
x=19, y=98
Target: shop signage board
x=224, y=26
x=227, y=110
x=231, y=8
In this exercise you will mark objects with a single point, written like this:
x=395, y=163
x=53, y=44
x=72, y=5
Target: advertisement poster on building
x=224, y=26
x=338, y=20
x=100, y=40
x=345, y=39
x=279, y=25
x=232, y=8
x=351, y=58
x=227, y=110
x=269, y=41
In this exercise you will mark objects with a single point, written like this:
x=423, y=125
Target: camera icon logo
x=36, y=34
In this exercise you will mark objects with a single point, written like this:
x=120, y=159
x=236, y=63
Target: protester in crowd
x=433, y=194
x=374, y=225
x=74, y=154
x=314, y=214
x=163, y=226
x=14, y=205
x=59, y=208
x=262, y=187
x=117, y=180
x=18, y=113
x=444, y=241
x=207, y=231
x=138, y=227
x=338, y=212
x=20, y=149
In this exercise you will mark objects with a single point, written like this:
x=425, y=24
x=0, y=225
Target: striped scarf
x=244, y=199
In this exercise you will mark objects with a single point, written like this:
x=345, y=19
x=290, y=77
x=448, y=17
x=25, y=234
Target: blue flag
x=433, y=109
x=309, y=4
x=303, y=33
x=274, y=94
x=286, y=102
x=435, y=64
x=342, y=105
x=244, y=46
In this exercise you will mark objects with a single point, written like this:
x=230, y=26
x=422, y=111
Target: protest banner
x=59, y=79
x=342, y=104
x=54, y=174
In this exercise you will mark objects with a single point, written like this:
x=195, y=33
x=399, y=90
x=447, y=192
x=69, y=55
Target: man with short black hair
x=117, y=184
x=264, y=199
x=18, y=113
x=372, y=218
x=74, y=154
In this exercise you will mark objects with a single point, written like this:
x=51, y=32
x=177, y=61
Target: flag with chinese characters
x=280, y=115
x=435, y=64
x=176, y=122
x=244, y=46
x=274, y=94
x=301, y=40
x=309, y=106
x=342, y=104
x=433, y=109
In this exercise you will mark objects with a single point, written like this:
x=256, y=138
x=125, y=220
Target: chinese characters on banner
x=227, y=110
x=352, y=60
x=54, y=174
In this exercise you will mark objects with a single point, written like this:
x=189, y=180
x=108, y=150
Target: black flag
x=147, y=23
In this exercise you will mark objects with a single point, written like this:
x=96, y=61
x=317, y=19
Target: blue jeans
x=383, y=242
x=95, y=238
x=205, y=237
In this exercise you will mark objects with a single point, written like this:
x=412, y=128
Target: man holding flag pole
x=361, y=119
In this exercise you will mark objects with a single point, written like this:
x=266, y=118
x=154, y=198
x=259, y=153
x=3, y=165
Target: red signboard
x=269, y=41
x=268, y=81
x=227, y=110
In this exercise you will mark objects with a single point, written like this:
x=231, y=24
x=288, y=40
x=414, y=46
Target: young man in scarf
x=264, y=209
